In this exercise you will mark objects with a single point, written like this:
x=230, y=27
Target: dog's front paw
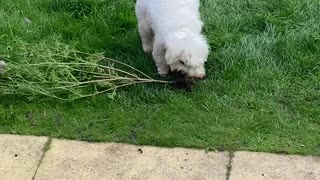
x=147, y=49
x=163, y=71
x=163, y=74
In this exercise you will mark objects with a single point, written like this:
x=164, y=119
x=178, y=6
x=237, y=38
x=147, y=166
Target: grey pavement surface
x=41, y=158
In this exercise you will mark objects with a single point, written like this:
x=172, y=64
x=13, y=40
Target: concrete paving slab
x=264, y=166
x=80, y=160
x=20, y=156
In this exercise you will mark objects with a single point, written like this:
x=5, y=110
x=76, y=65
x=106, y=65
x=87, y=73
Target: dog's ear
x=170, y=55
x=175, y=43
x=173, y=55
x=200, y=52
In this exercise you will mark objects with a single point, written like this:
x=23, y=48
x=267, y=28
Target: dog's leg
x=159, y=58
x=147, y=39
x=146, y=34
x=144, y=25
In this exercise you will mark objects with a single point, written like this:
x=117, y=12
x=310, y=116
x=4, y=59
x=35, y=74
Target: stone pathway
x=41, y=158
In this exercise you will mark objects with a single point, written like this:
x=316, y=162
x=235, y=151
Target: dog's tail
x=186, y=45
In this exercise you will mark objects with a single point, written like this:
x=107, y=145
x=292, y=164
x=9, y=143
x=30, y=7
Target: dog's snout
x=201, y=78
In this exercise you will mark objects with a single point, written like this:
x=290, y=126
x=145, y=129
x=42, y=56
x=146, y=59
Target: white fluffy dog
x=171, y=30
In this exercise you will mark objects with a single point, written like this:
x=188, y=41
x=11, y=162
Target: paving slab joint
x=229, y=166
x=45, y=148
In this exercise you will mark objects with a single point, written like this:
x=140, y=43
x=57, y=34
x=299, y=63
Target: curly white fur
x=171, y=31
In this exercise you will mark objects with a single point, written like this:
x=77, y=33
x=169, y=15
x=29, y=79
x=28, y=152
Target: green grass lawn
x=262, y=91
